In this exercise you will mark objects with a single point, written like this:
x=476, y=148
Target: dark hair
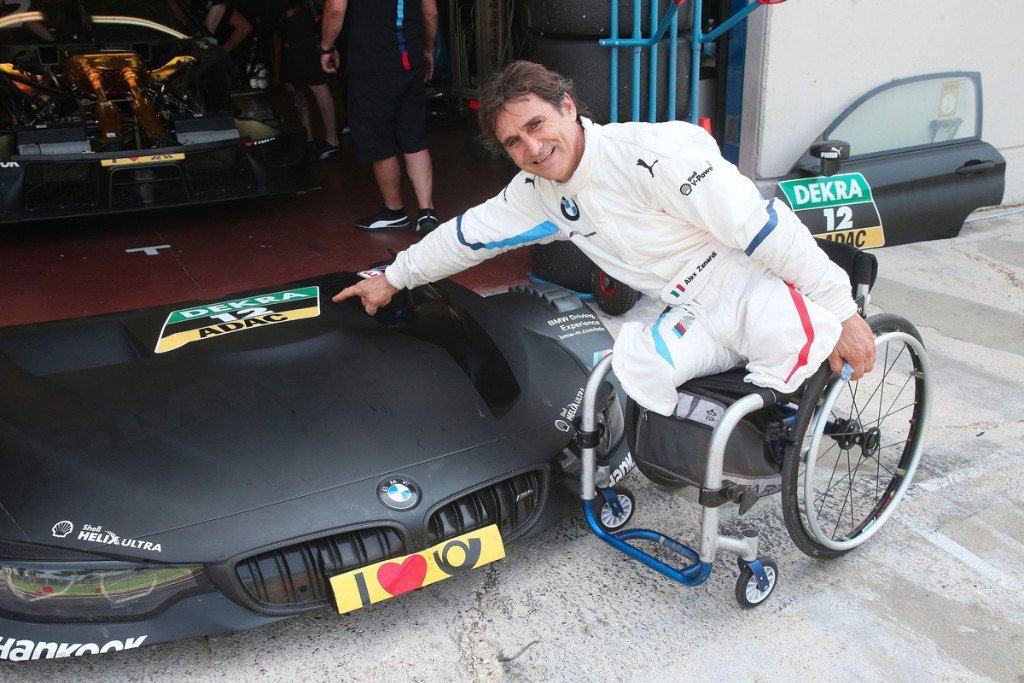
x=515, y=82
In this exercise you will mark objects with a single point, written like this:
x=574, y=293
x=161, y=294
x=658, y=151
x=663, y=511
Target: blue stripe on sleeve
x=537, y=232
x=659, y=343
x=773, y=220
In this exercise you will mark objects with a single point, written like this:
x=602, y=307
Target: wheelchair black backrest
x=861, y=266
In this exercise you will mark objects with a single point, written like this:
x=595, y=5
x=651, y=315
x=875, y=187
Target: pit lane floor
x=936, y=595
x=66, y=268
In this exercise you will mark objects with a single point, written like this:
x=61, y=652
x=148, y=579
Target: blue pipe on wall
x=613, y=107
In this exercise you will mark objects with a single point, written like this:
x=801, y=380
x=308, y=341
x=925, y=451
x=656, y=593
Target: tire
x=856, y=428
x=594, y=17
x=747, y=592
x=614, y=297
x=563, y=264
x=589, y=65
x=606, y=519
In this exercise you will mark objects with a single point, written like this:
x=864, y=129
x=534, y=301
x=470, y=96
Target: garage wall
x=807, y=60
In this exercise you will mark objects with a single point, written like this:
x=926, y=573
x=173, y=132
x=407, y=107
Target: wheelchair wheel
x=748, y=594
x=854, y=446
x=606, y=517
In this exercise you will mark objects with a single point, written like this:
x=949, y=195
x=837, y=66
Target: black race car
x=214, y=466
x=111, y=105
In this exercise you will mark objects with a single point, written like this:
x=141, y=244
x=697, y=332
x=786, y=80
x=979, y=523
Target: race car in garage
x=217, y=465
x=110, y=105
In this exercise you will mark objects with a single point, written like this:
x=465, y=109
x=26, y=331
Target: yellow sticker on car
x=384, y=580
x=147, y=159
x=237, y=315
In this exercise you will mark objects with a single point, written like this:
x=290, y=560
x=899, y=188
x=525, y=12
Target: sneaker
x=385, y=219
x=427, y=222
x=323, y=152
x=344, y=129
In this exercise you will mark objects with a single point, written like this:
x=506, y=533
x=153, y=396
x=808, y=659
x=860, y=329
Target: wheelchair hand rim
x=818, y=426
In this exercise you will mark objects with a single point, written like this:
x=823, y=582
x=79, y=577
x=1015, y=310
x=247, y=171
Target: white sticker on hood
x=94, y=533
x=17, y=650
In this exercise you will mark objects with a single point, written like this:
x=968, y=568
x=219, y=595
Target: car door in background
x=917, y=165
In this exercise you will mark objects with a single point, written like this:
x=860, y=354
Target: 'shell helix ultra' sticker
x=213, y=320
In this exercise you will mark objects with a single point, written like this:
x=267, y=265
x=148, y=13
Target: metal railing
x=670, y=22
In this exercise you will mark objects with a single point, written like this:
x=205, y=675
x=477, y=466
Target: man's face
x=541, y=139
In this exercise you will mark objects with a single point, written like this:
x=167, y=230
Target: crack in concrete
x=987, y=424
x=992, y=263
x=479, y=665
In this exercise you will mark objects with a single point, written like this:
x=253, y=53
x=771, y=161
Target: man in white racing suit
x=658, y=208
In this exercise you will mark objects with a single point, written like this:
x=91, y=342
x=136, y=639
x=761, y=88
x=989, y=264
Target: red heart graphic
x=401, y=578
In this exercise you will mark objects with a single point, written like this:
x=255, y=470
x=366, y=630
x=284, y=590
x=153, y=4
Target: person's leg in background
x=325, y=103
x=371, y=111
x=299, y=99
x=421, y=173
x=389, y=180
x=411, y=134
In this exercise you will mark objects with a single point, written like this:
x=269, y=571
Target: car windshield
x=41, y=22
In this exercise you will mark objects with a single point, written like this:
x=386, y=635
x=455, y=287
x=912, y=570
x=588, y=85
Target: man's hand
x=374, y=292
x=329, y=62
x=428, y=65
x=856, y=346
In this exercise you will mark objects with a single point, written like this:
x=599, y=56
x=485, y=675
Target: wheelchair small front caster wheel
x=606, y=517
x=748, y=593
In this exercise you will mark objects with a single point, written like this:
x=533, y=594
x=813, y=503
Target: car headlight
x=95, y=591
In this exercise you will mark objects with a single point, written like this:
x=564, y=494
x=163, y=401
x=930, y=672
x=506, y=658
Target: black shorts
x=387, y=114
x=300, y=53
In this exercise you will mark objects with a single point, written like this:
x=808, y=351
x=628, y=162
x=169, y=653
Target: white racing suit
x=658, y=208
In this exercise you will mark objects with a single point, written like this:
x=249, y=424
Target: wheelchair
x=846, y=452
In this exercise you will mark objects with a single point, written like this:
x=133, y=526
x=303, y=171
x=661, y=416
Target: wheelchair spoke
x=885, y=372
x=853, y=477
x=898, y=443
x=839, y=517
x=887, y=414
x=828, y=486
x=881, y=398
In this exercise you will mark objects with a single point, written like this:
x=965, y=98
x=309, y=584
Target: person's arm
x=510, y=220
x=697, y=184
x=240, y=28
x=334, y=17
x=214, y=16
x=429, y=35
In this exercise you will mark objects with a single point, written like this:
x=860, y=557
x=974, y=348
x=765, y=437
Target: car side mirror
x=831, y=153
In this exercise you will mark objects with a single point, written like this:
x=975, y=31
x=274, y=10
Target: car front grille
x=218, y=173
x=511, y=504
x=62, y=186
x=297, y=576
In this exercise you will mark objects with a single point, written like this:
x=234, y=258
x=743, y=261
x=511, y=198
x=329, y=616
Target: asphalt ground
x=937, y=594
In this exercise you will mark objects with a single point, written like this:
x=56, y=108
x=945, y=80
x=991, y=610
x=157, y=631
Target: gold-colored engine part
x=103, y=72
x=142, y=106
x=89, y=72
x=23, y=87
x=173, y=68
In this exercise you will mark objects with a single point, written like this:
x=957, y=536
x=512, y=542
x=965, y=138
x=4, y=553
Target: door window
x=911, y=114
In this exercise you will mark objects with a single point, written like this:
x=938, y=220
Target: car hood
x=100, y=431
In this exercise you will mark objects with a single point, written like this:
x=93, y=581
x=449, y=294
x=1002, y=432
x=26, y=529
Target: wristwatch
x=328, y=50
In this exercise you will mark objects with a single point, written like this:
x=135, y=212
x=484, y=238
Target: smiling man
x=658, y=208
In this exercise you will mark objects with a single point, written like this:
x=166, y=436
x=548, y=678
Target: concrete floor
x=936, y=595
